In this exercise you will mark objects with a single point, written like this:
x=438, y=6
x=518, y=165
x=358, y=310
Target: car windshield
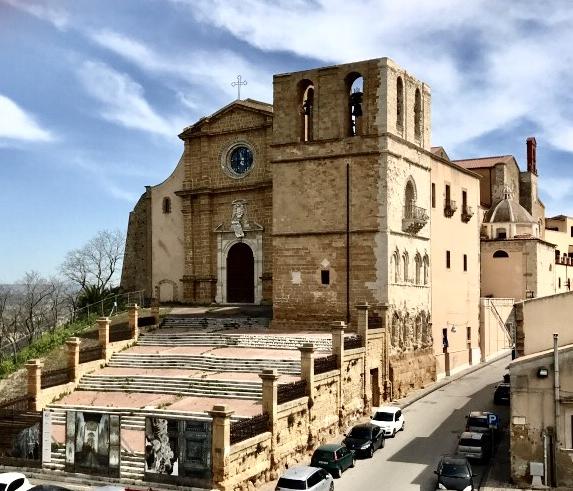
x=323, y=455
x=359, y=433
x=291, y=483
x=470, y=442
x=383, y=416
x=455, y=470
x=478, y=422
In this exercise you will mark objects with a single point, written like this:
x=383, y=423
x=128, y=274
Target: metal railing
x=353, y=342
x=290, y=392
x=55, y=377
x=325, y=364
x=91, y=354
x=248, y=428
x=120, y=332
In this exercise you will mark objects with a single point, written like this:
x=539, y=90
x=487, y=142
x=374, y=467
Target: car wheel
x=331, y=486
x=403, y=426
x=393, y=432
x=337, y=473
x=371, y=452
x=383, y=442
x=353, y=462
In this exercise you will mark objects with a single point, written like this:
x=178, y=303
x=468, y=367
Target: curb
x=408, y=400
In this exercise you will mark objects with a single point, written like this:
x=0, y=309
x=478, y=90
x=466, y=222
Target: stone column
x=363, y=322
x=386, y=353
x=73, y=351
x=270, y=379
x=338, y=350
x=133, y=315
x=220, y=443
x=103, y=331
x=34, y=368
x=307, y=367
x=155, y=310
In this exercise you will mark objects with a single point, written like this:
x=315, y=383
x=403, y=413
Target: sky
x=94, y=93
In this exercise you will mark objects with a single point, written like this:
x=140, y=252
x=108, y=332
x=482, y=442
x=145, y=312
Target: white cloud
x=123, y=100
x=57, y=17
x=216, y=68
x=16, y=124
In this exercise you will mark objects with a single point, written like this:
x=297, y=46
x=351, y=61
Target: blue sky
x=94, y=93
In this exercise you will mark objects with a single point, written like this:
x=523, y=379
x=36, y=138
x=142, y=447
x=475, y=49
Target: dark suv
x=501, y=394
x=365, y=439
x=334, y=458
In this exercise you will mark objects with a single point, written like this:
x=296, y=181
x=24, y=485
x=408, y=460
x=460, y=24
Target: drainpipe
x=556, y=402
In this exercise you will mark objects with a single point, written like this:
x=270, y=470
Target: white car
x=305, y=477
x=14, y=481
x=389, y=418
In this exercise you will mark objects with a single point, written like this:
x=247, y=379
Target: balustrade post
x=220, y=443
x=337, y=329
x=385, y=362
x=307, y=367
x=34, y=368
x=103, y=331
x=270, y=379
x=73, y=352
x=363, y=323
x=134, y=321
x=155, y=310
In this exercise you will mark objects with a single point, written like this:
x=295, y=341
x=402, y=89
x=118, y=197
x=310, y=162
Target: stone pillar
x=155, y=310
x=103, y=331
x=34, y=368
x=73, y=351
x=220, y=443
x=363, y=323
x=338, y=350
x=385, y=362
x=270, y=379
x=307, y=367
x=133, y=315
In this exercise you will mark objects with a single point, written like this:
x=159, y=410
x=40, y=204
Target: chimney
x=532, y=155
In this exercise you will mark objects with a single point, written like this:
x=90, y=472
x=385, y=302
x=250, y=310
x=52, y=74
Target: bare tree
x=34, y=304
x=97, y=263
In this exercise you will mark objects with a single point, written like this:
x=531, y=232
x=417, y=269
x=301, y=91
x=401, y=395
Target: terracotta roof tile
x=484, y=162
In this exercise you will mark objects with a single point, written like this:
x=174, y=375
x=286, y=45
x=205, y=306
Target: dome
x=508, y=211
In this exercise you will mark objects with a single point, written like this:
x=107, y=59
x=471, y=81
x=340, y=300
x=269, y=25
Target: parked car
x=14, y=481
x=454, y=472
x=364, y=439
x=305, y=477
x=475, y=445
x=501, y=394
x=333, y=458
x=482, y=421
x=389, y=418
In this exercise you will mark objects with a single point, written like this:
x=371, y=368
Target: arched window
x=426, y=269
x=410, y=199
x=166, y=205
x=405, y=260
x=418, y=261
x=396, y=264
x=500, y=254
x=399, y=104
x=306, y=96
x=355, y=84
x=418, y=114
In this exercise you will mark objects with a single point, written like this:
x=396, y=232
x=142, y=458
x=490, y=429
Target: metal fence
x=374, y=321
x=290, y=392
x=91, y=354
x=353, y=342
x=325, y=364
x=55, y=377
x=119, y=332
x=248, y=428
x=16, y=405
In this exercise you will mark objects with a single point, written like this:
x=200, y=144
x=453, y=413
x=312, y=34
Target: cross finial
x=238, y=84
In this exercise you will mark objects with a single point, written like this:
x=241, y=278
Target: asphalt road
x=433, y=424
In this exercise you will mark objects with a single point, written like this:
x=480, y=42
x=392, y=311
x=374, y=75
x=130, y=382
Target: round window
x=240, y=160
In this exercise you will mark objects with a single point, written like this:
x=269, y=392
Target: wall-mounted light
x=542, y=372
x=453, y=329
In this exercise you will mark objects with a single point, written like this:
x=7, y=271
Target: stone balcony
x=414, y=219
x=467, y=214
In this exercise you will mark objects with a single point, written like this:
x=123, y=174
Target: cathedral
x=329, y=198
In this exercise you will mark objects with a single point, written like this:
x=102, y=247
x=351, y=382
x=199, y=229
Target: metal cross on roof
x=238, y=84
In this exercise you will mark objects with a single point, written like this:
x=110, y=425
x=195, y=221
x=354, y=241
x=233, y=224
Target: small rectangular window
x=469, y=333
x=448, y=259
x=447, y=194
x=464, y=201
x=325, y=277
x=445, y=343
x=465, y=262
x=571, y=231
x=434, y=201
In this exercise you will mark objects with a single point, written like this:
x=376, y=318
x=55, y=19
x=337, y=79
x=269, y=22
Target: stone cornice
x=228, y=189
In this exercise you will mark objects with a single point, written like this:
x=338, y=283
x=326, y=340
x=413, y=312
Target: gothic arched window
x=418, y=261
x=418, y=114
x=426, y=269
x=396, y=264
x=306, y=96
x=399, y=104
x=166, y=205
x=355, y=85
x=405, y=260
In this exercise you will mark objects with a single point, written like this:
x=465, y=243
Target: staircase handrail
x=501, y=323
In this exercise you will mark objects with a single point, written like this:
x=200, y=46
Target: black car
x=501, y=394
x=364, y=439
x=454, y=472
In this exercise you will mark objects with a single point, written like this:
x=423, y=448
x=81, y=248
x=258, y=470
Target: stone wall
x=323, y=419
x=250, y=462
x=411, y=371
x=291, y=434
x=353, y=385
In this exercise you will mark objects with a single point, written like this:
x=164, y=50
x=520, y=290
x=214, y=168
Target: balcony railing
x=467, y=214
x=450, y=207
x=414, y=219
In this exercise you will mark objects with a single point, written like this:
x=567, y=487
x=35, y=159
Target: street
x=433, y=424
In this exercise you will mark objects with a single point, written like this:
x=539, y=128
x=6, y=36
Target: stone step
x=198, y=362
x=239, y=340
x=214, y=322
x=173, y=385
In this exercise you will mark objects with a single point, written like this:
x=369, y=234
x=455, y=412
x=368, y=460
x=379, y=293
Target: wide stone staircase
x=215, y=323
x=182, y=386
x=199, y=362
x=267, y=341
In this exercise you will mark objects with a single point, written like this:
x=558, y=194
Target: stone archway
x=166, y=291
x=240, y=274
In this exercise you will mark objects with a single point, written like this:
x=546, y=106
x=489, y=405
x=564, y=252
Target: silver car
x=474, y=445
x=305, y=477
